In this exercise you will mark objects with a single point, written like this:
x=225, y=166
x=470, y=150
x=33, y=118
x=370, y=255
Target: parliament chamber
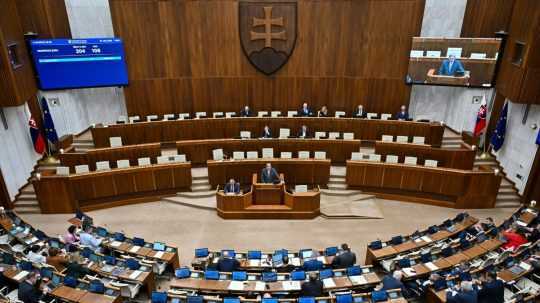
x=264, y=151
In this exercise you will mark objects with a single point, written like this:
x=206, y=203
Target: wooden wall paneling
x=532, y=189
x=104, y=184
x=124, y=182
x=55, y=195
x=485, y=17
x=47, y=18
x=144, y=181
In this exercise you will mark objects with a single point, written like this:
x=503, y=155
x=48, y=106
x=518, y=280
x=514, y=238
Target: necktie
x=450, y=66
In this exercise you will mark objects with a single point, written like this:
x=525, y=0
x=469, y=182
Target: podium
x=269, y=201
x=432, y=77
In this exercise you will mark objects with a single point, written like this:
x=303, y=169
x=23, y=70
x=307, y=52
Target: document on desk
x=521, y=223
x=260, y=286
x=321, y=258
x=135, y=274
x=295, y=261
x=525, y=266
x=159, y=254
x=426, y=239
x=134, y=249
x=329, y=283
x=116, y=243
x=254, y=263
x=431, y=266
x=291, y=285
x=358, y=280
x=409, y=271
x=20, y=276
x=236, y=285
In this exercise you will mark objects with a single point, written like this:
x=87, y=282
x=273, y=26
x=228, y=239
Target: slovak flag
x=37, y=137
x=481, y=118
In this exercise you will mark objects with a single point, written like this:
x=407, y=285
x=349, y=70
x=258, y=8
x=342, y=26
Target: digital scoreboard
x=79, y=63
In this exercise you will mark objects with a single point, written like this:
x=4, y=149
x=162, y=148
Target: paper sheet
x=20, y=275
x=291, y=285
x=116, y=243
x=260, y=286
x=357, y=280
x=426, y=239
x=134, y=249
x=236, y=285
x=525, y=266
x=431, y=266
x=254, y=262
x=159, y=254
x=409, y=271
x=135, y=274
x=295, y=261
x=329, y=283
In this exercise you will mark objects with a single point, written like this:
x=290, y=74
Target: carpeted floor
x=189, y=228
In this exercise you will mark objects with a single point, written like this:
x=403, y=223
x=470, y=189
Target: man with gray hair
x=465, y=294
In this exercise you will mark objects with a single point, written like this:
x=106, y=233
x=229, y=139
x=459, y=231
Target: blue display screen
x=78, y=63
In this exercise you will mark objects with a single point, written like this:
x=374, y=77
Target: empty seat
x=387, y=138
x=275, y=113
x=357, y=156
x=168, y=117
x=418, y=140
x=348, y=136
x=286, y=155
x=431, y=163
x=284, y=133
x=81, y=169
x=371, y=115
x=303, y=154
x=217, y=154
x=391, y=159
x=402, y=139
x=245, y=134
x=268, y=153
x=151, y=118
x=374, y=157
x=199, y=115
x=238, y=155
x=320, y=155
x=252, y=155
x=217, y=115
x=386, y=116
x=410, y=160
x=134, y=119
x=122, y=163
x=62, y=171
x=300, y=188
x=103, y=165
x=143, y=161
x=180, y=158
x=163, y=159
x=319, y=135
x=230, y=114
x=262, y=114
x=333, y=135
x=115, y=141
x=292, y=113
x=339, y=114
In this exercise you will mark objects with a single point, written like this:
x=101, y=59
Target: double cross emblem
x=268, y=22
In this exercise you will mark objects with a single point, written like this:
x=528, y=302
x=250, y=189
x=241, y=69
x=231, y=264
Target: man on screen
x=269, y=175
x=232, y=188
x=451, y=67
x=246, y=112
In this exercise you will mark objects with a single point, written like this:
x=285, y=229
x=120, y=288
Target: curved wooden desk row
x=455, y=188
x=459, y=158
x=297, y=171
x=94, y=190
x=171, y=131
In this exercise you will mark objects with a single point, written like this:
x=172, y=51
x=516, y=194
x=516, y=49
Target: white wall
x=519, y=148
x=17, y=156
x=79, y=108
x=443, y=18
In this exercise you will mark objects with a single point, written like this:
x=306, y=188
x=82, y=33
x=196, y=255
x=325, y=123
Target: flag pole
x=49, y=158
x=487, y=147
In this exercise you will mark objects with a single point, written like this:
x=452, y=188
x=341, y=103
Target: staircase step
x=340, y=192
x=507, y=190
x=200, y=181
x=81, y=140
x=34, y=203
x=507, y=197
x=336, y=179
x=28, y=189
x=337, y=186
x=199, y=177
x=27, y=210
x=27, y=197
x=200, y=187
x=507, y=204
x=49, y=168
x=198, y=194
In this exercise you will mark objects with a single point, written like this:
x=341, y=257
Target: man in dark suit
x=466, y=294
x=246, y=112
x=451, y=67
x=232, y=187
x=313, y=287
x=269, y=174
x=359, y=112
x=492, y=289
x=403, y=113
x=303, y=132
x=344, y=259
x=267, y=132
x=305, y=111
x=227, y=264
x=29, y=291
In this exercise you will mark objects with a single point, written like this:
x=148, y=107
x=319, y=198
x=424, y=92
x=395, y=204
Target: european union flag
x=538, y=138
x=48, y=123
x=497, y=139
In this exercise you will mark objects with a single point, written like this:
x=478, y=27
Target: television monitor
x=159, y=246
x=79, y=63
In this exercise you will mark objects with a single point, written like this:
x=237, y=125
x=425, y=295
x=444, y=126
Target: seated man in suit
x=323, y=112
x=269, y=174
x=305, y=111
x=246, y=112
x=403, y=113
x=313, y=287
x=359, y=112
x=227, y=263
x=29, y=289
x=464, y=294
x=232, y=187
x=451, y=67
x=267, y=132
x=492, y=289
x=345, y=259
x=303, y=132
